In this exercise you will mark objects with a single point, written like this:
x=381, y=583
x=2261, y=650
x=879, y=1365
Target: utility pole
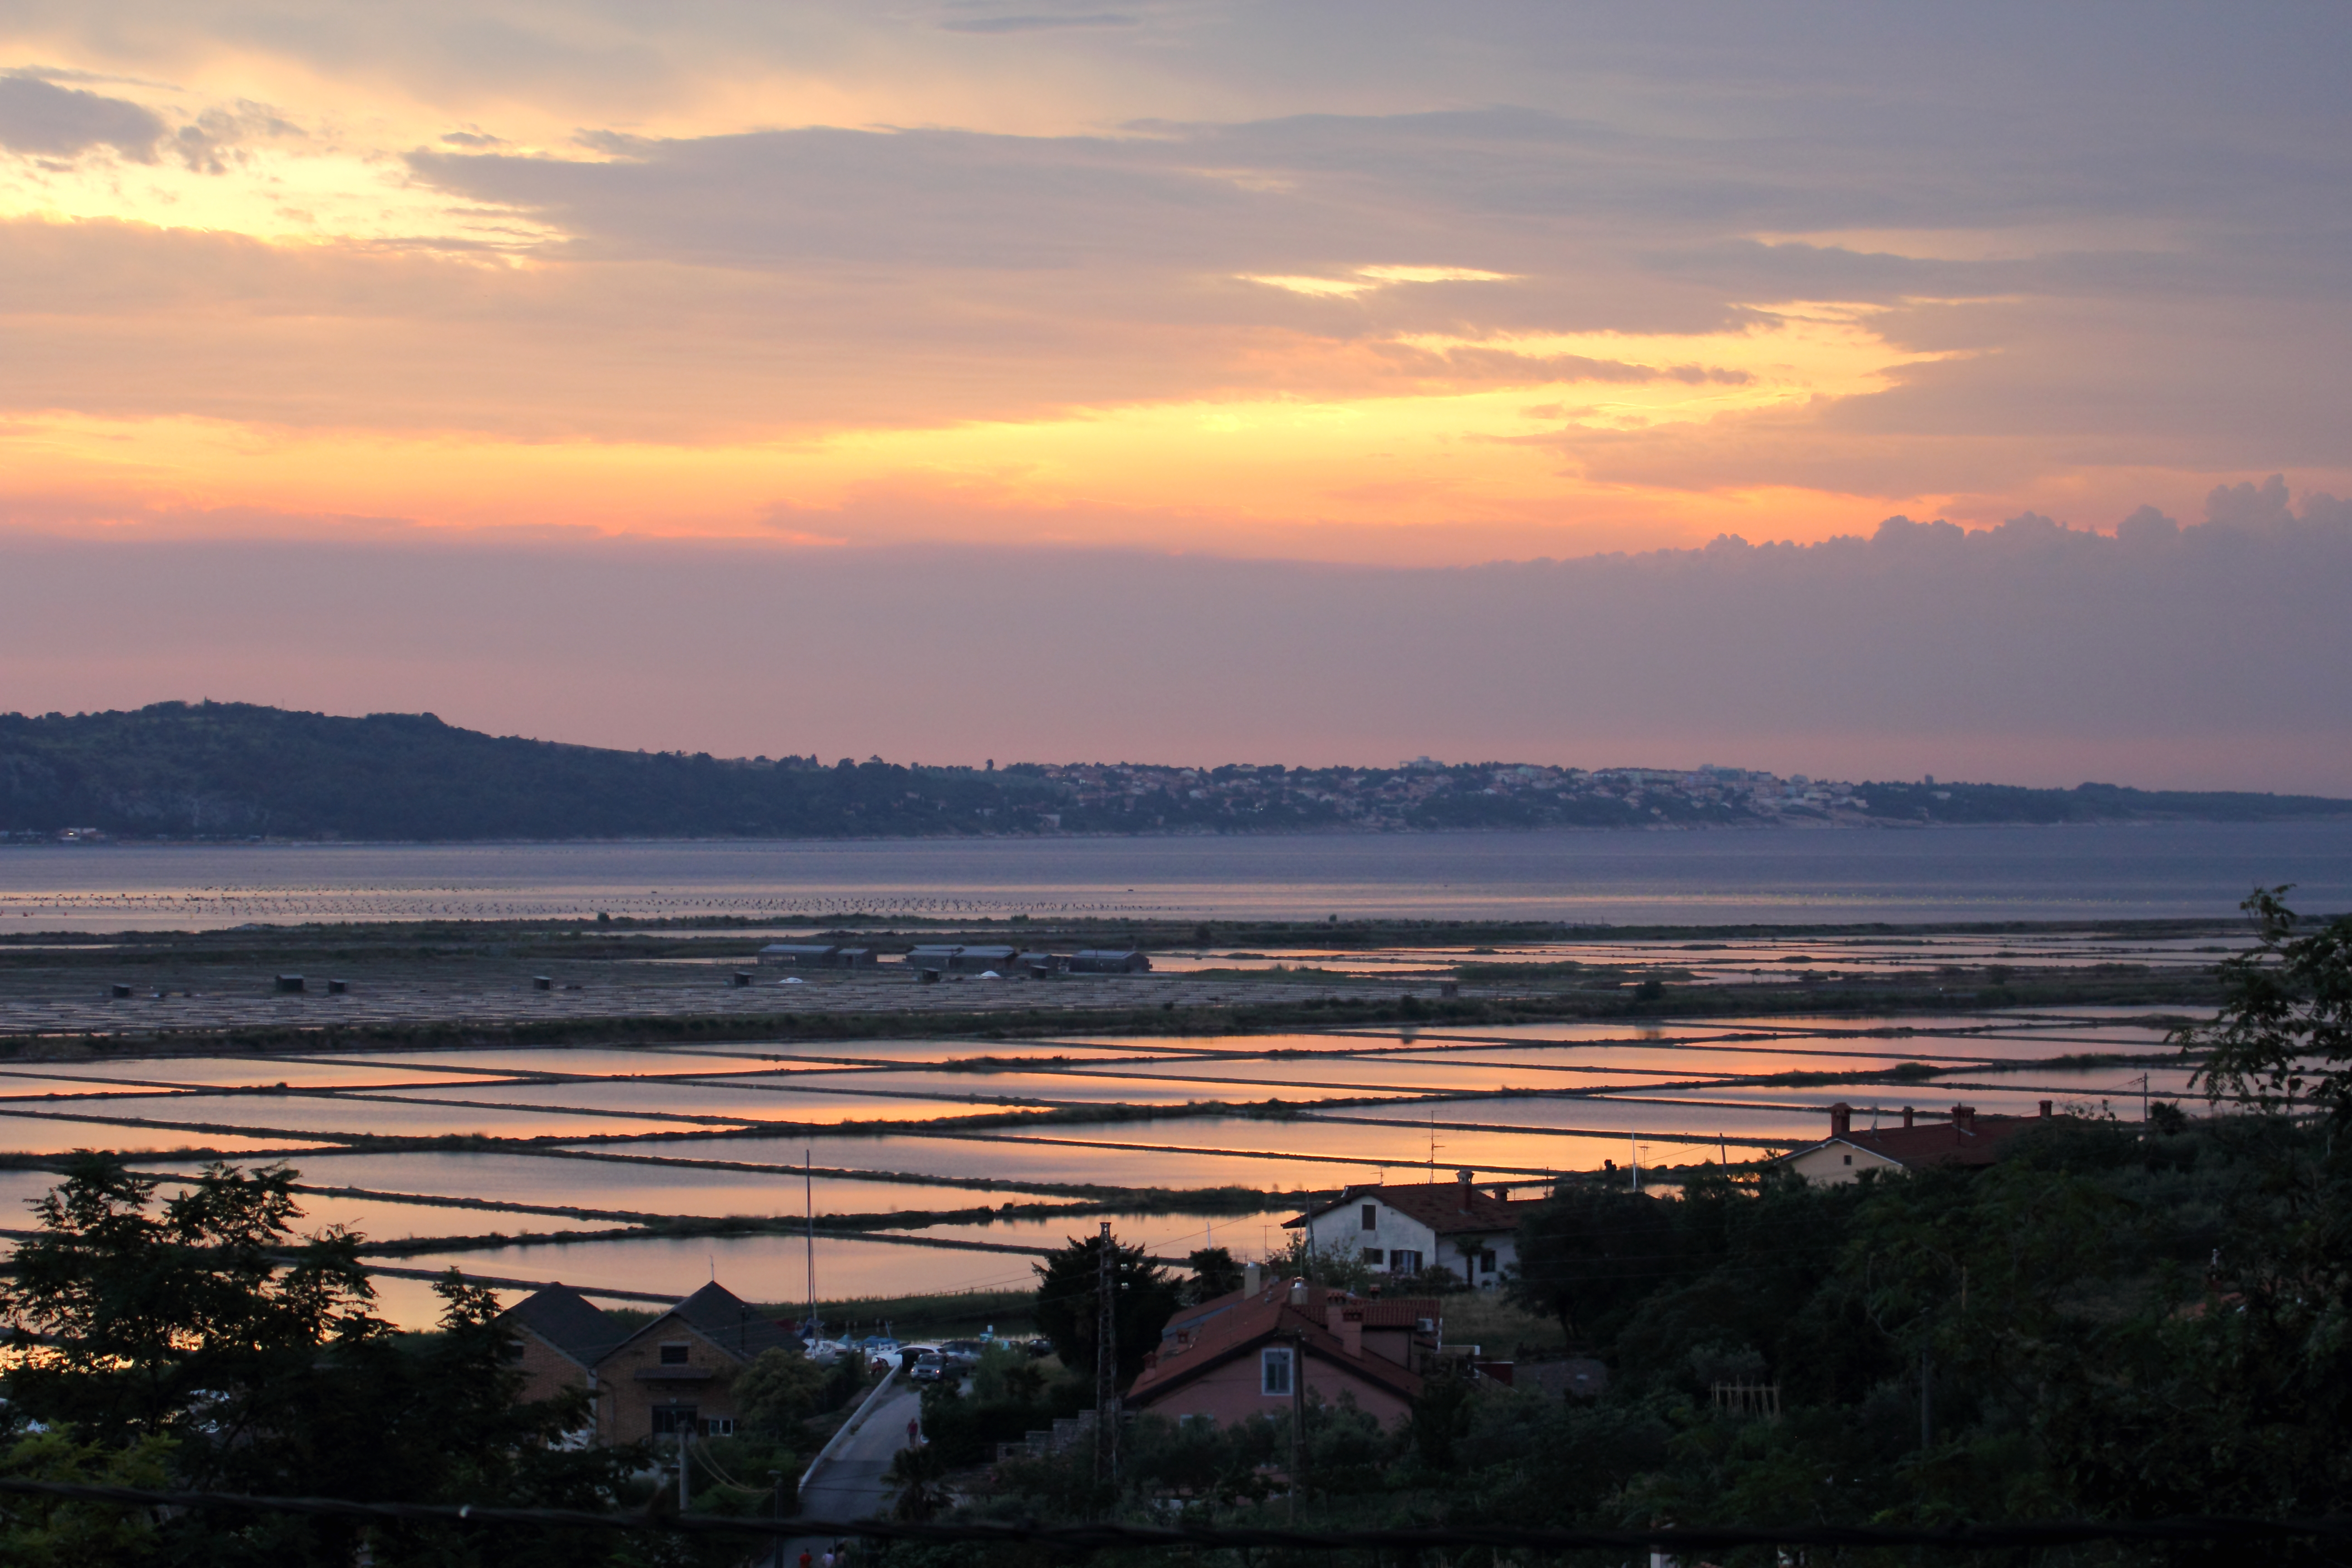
x=776, y=1510
x=808, y=1201
x=1106, y=1360
x=683, y=1484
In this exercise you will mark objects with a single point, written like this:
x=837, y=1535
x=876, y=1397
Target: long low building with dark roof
x=1962, y=1138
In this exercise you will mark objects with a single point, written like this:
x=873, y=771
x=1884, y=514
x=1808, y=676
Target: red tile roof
x=1441, y=1206
x=1250, y=1322
x=1974, y=1140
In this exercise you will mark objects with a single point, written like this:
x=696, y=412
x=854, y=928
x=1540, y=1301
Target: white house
x=1962, y=1138
x=1402, y=1229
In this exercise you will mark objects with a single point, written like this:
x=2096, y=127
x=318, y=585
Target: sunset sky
x=1360, y=286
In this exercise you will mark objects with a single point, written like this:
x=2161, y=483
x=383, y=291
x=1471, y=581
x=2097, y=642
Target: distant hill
x=213, y=770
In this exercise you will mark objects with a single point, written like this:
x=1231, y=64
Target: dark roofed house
x=674, y=1372
x=559, y=1338
x=1252, y=1352
x=1964, y=1139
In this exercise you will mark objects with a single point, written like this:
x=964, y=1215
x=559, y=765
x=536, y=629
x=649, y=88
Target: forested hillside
x=237, y=771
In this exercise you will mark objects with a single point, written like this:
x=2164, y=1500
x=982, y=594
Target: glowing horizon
x=833, y=279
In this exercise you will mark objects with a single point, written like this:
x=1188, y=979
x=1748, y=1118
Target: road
x=849, y=1485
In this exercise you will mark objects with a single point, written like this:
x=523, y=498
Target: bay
x=1766, y=876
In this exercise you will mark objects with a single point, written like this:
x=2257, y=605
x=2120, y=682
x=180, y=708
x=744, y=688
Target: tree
x=2284, y=1031
x=777, y=1390
x=138, y=1317
x=1069, y=1304
x=1590, y=1250
x=1215, y=1274
x=210, y=1339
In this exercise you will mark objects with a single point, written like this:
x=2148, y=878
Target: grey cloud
x=40, y=118
x=2032, y=652
x=1037, y=24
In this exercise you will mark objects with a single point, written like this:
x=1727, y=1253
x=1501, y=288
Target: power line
x=1094, y=1536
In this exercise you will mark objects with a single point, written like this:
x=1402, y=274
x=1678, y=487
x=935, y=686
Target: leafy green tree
x=248, y=1357
x=2283, y=1035
x=46, y=1533
x=208, y=1313
x=1590, y=1251
x=777, y=1391
x=1069, y=1304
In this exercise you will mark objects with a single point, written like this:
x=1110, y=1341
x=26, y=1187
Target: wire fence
x=1091, y=1537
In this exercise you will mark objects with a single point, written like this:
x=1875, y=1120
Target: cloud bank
x=2206, y=656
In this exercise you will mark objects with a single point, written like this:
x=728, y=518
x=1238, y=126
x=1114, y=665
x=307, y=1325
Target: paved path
x=849, y=1485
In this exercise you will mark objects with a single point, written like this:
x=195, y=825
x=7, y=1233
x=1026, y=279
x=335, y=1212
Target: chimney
x=2046, y=1111
x=1840, y=1119
x=1964, y=1120
x=1907, y=1114
x=1350, y=1330
x=1253, y=1278
x=1462, y=1178
x=1299, y=1291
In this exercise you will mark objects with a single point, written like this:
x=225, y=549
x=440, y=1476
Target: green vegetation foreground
x=2113, y=1323
x=2116, y=1323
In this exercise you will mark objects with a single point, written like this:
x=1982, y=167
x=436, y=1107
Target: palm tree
x=918, y=1473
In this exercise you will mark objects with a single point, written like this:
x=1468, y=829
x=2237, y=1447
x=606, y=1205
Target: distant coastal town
x=216, y=772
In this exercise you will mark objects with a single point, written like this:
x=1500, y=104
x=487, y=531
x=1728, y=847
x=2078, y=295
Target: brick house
x=1255, y=1351
x=1403, y=1228
x=676, y=1372
x=559, y=1338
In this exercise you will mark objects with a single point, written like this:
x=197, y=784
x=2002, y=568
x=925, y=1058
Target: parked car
x=930, y=1367
x=907, y=1355
x=962, y=1355
x=1038, y=1347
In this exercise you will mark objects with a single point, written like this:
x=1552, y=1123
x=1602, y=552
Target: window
x=1274, y=1372
x=1375, y=1256
x=1849, y=1159
x=1487, y=1262
x=719, y=1425
x=669, y=1420
x=1372, y=1217
x=674, y=1355
x=513, y=1351
x=1404, y=1260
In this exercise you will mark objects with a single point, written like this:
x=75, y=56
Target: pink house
x=1256, y=1352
